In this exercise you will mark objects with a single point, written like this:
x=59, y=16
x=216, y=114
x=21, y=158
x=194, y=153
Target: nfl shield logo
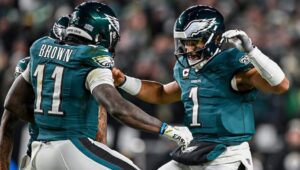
x=185, y=73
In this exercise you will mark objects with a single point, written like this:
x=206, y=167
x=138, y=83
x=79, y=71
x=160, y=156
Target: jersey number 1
x=194, y=96
x=57, y=76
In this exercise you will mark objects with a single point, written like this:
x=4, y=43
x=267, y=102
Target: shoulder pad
x=97, y=56
x=21, y=66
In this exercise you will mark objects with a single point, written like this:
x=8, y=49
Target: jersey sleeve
x=176, y=73
x=21, y=66
x=98, y=76
x=98, y=58
x=240, y=60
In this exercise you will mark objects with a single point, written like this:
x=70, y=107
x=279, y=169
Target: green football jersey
x=213, y=110
x=64, y=108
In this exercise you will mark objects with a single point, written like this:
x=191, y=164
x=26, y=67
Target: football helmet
x=198, y=35
x=58, y=31
x=96, y=23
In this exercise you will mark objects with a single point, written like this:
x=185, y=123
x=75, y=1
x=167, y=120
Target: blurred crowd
x=146, y=51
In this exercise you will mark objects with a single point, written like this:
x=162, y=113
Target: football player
x=58, y=31
x=69, y=78
x=217, y=87
x=9, y=120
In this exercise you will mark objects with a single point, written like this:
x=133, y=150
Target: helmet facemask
x=114, y=33
x=195, y=52
x=197, y=35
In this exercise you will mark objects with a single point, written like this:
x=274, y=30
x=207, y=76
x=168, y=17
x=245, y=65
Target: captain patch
x=185, y=73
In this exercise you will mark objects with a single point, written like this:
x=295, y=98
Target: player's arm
x=8, y=123
x=100, y=83
x=266, y=75
x=148, y=91
x=252, y=78
x=19, y=99
x=125, y=111
x=10, y=119
x=102, y=125
x=17, y=105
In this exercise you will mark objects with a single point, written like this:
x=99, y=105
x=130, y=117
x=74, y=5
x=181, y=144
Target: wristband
x=266, y=67
x=131, y=85
x=163, y=128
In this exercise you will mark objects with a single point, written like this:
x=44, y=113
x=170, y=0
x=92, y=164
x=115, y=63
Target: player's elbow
x=117, y=110
x=9, y=103
x=118, y=114
x=19, y=108
x=282, y=87
x=8, y=122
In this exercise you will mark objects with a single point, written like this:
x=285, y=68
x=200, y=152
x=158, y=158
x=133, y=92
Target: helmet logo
x=197, y=26
x=75, y=19
x=114, y=22
x=58, y=30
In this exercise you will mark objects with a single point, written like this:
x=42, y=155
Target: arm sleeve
x=98, y=76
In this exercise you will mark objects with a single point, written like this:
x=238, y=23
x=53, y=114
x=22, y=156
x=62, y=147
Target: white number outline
x=57, y=75
x=39, y=74
x=194, y=96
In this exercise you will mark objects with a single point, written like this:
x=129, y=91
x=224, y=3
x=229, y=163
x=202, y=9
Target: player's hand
x=119, y=76
x=240, y=39
x=178, y=134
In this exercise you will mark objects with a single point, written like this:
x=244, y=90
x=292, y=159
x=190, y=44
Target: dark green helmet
x=58, y=31
x=198, y=24
x=95, y=22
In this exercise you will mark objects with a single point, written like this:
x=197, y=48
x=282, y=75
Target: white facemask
x=199, y=65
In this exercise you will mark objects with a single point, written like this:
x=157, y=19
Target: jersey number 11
x=57, y=76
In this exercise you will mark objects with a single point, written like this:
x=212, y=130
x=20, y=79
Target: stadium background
x=146, y=51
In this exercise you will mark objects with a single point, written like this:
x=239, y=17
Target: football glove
x=178, y=134
x=240, y=39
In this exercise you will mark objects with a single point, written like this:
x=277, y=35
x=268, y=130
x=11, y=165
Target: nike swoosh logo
x=189, y=149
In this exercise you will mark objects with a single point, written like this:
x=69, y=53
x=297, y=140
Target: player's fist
x=240, y=39
x=119, y=77
x=178, y=134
